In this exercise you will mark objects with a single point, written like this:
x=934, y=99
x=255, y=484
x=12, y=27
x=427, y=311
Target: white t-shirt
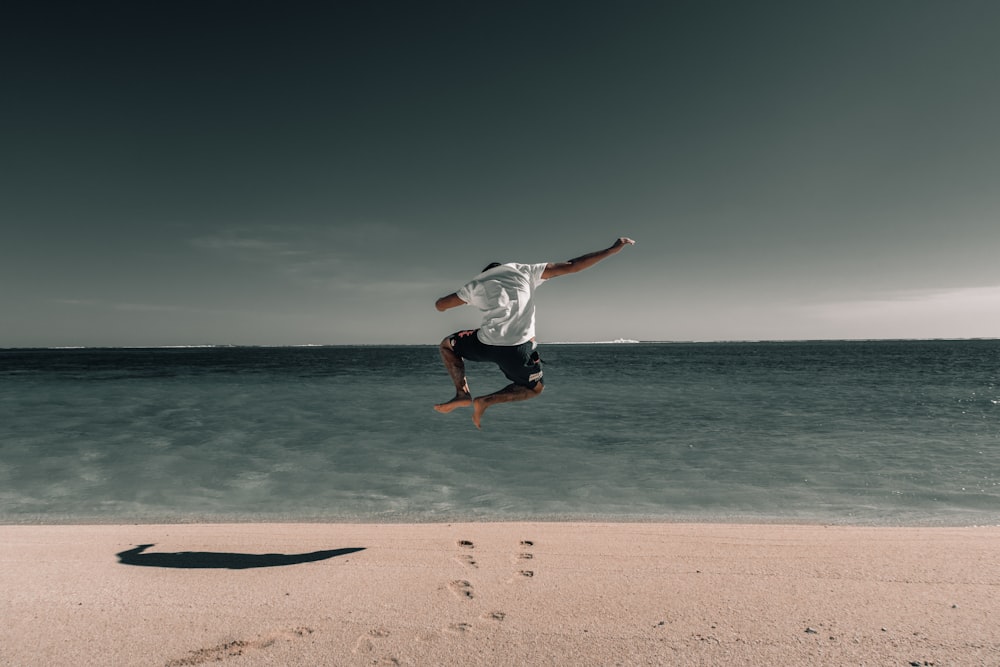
x=504, y=294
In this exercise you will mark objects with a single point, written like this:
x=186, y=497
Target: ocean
x=856, y=432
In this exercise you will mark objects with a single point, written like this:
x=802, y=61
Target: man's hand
x=621, y=243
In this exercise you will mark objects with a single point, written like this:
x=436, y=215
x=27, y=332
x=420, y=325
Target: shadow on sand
x=224, y=561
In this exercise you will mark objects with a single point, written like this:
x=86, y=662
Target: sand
x=498, y=594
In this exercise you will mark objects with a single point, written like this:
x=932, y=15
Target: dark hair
x=491, y=265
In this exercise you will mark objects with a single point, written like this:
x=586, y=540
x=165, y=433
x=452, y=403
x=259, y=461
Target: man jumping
x=506, y=337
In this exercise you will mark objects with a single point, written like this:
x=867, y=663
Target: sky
x=287, y=173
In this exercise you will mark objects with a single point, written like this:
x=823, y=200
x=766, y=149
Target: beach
x=505, y=593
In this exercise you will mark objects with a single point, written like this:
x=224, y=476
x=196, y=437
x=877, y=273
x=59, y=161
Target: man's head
x=491, y=265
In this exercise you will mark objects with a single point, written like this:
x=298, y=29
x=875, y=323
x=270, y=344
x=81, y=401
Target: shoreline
x=759, y=521
x=911, y=520
x=585, y=593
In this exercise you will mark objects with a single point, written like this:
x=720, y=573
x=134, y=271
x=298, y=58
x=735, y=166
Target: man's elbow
x=440, y=305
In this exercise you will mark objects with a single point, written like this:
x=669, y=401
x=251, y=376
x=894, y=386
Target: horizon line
x=719, y=341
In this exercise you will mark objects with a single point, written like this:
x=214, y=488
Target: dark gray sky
x=286, y=173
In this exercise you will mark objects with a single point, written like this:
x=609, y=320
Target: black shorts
x=520, y=363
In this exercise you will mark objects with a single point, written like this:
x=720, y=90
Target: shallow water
x=890, y=432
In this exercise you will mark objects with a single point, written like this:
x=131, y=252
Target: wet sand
x=498, y=594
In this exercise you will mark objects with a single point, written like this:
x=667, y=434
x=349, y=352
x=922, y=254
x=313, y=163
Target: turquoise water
x=888, y=432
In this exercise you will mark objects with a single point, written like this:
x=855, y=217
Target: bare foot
x=478, y=408
x=460, y=401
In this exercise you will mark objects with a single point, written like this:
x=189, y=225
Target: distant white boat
x=594, y=342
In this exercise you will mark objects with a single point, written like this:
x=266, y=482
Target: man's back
x=504, y=295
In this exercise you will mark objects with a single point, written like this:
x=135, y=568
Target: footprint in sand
x=461, y=588
x=364, y=643
x=466, y=559
x=523, y=556
x=238, y=647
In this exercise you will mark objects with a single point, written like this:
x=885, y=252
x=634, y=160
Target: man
x=503, y=292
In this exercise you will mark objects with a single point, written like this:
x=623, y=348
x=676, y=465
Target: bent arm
x=450, y=301
x=584, y=261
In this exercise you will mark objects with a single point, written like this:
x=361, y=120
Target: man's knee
x=537, y=388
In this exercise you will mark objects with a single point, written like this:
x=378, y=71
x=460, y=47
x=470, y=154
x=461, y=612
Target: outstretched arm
x=584, y=261
x=450, y=301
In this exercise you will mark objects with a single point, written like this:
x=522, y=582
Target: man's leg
x=456, y=369
x=512, y=392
